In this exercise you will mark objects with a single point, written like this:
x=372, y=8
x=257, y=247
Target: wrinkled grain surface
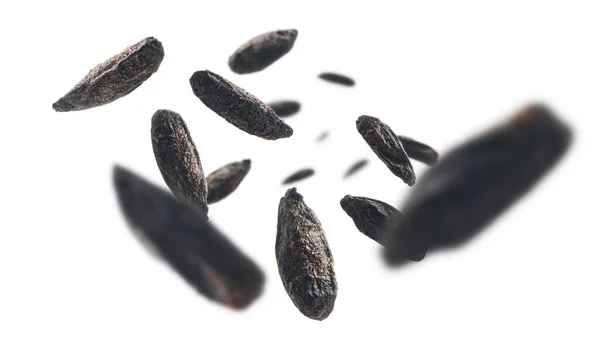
x=115, y=77
x=304, y=259
x=419, y=151
x=238, y=107
x=370, y=216
x=337, y=79
x=224, y=181
x=178, y=159
x=285, y=108
x=386, y=145
x=474, y=183
x=193, y=247
x=299, y=175
x=261, y=51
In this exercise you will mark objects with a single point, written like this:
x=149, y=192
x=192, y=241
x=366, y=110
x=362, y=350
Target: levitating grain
x=473, y=184
x=304, y=259
x=115, y=77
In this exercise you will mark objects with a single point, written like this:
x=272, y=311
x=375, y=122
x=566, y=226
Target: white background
x=74, y=278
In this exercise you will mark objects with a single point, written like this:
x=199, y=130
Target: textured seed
x=323, y=136
x=285, y=108
x=115, y=77
x=419, y=151
x=356, y=166
x=238, y=107
x=178, y=159
x=473, y=184
x=337, y=79
x=224, y=181
x=261, y=51
x=193, y=247
x=370, y=216
x=299, y=175
x=304, y=259
x=387, y=147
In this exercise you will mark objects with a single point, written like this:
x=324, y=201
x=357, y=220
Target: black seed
x=419, y=151
x=178, y=159
x=304, y=259
x=473, y=184
x=224, y=181
x=323, y=136
x=261, y=51
x=193, y=247
x=285, y=108
x=299, y=175
x=387, y=147
x=370, y=216
x=356, y=166
x=114, y=78
x=337, y=78
x=238, y=107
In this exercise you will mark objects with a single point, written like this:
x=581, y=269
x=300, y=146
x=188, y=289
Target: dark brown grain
x=261, y=51
x=386, y=145
x=474, y=183
x=224, y=181
x=178, y=159
x=238, y=107
x=337, y=79
x=299, y=175
x=193, y=247
x=285, y=108
x=355, y=167
x=115, y=77
x=304, y=258
x=419, y=151
x=370, y=216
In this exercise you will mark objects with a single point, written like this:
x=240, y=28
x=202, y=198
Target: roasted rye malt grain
x=304, y=259
x=224, y=181
x=178, y=159
x=299, y=175
x=337, y=79
x=370, y=216
x=419, y=151
x=356, y=166
x=115, y=77
x=193, y=247
x=261, y=51
x=387, y=147
x=238, y=107
x=473, y=184
x=324, y=135
x=285, y=108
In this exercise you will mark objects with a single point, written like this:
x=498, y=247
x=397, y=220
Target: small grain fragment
x=178, y=159
x=285, y=108
x=224, y=181
x=324, y=135
x=370, y=216
x=337, y=79
x=473, y=184
x=261, y=51
x=193, y=247
x=386, y=145
x=238, y=107
x=419, y=151
x=115, y=77
x=356, y=166
x=304, y=258
x=298, y=176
